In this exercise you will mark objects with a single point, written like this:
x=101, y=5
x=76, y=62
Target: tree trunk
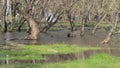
x=34, y=32
x=22, y=21
x=94, y=29
x=72, y=26
x=13, y=14
x=4, y=23
x=32, y=23
x=71, y=22
x=83, y=27
x=107, y=39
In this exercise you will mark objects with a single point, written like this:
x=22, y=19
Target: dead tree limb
x=115, y=22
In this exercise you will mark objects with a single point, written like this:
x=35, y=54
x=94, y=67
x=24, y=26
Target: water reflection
x=2, y=39
x=81, y=55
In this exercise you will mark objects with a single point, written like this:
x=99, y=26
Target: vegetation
x=35, y=16
x=95, y=61
x=36, y=51
x=41, y=15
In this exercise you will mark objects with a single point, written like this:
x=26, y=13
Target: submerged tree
x=112, y=10
x=70, y=12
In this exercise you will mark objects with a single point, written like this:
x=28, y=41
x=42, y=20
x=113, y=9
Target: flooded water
x=52, y=37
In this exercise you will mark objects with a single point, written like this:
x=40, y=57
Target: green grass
x=29, y=52
x=44, y=49
x=95, y=61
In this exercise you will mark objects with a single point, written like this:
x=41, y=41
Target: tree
x=27, y=15
x=4, y=17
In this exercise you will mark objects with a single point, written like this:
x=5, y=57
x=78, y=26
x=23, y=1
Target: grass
x=89, y=24
x=66, y=24
x=96, y=61
x=30, y=52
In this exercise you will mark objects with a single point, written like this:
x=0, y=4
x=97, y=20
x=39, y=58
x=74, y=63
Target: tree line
x=41, y=15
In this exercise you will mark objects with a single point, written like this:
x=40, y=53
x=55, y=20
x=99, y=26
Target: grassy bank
x=95, y=61
x=29, y=52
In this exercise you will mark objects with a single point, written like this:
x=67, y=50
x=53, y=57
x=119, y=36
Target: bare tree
x=35, y=13
x=56, y=14
x=115, y=22
x=32, y=23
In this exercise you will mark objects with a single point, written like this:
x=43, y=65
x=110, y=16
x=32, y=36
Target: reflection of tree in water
x=34, y=41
